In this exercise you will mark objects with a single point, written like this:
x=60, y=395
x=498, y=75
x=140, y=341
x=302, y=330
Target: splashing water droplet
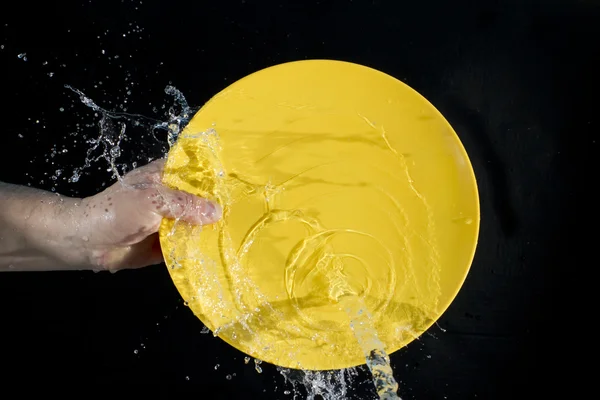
x=75, y=177
x=257, y=366
x=115, y=152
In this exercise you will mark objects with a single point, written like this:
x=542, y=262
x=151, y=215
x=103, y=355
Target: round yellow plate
x=351, y=214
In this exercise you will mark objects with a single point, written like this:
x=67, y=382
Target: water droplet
x=115, y=152
x=75, y=177
x=257, y=366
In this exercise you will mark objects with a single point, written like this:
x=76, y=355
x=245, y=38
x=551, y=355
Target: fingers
x=185, y=206
x=171, y=203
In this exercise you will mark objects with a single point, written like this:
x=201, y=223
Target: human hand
x=118, y=227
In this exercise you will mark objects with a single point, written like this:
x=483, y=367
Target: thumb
x=177, y=204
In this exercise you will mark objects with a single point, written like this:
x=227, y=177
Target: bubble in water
x=246, y=360
x=22, y=56
x=217, y=366
x=135, y=351
x=228, y=377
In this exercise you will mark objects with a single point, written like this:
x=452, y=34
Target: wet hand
x=118, y=227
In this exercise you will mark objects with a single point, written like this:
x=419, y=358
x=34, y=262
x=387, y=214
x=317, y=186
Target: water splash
x=377, y=359
x=177, y=120
x=112, y=132
x=328, y=385
x=317, y=385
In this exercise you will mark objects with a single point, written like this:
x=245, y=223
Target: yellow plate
x=351, y=214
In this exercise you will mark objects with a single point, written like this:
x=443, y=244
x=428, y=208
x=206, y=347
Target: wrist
x=55, y=229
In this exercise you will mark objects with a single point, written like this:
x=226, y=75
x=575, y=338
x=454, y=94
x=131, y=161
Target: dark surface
x=516, y=79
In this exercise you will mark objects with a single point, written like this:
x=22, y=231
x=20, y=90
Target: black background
x=516, y=79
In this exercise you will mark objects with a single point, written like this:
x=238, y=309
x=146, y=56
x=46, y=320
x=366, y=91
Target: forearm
x=38, y=230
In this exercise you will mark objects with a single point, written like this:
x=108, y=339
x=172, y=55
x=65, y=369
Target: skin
x=112, y=230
